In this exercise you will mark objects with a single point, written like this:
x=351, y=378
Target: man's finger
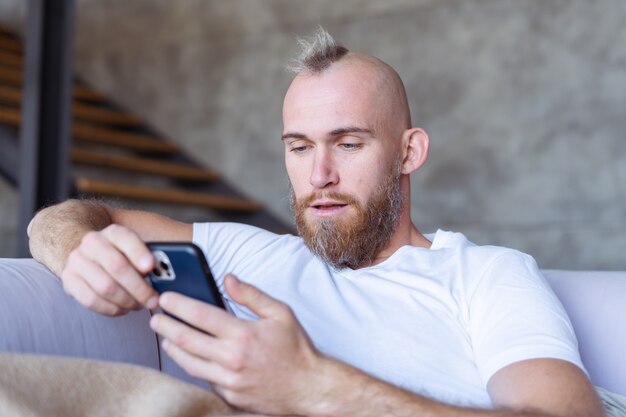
x=199, y=368
x=131, y=245
x=109, y=256
x=87, y=297
x=193, y=341
x=206, y=317
x=103, y=284
x=256, y=300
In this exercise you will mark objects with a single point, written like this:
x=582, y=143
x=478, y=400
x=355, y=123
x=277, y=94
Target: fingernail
x=164, y=299
x=153, y=322
x=165, y=344
x=153, y=302
x=234, y=279
x=145, y=262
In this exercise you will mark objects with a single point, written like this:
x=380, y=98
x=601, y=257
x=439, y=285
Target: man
x=382, y=319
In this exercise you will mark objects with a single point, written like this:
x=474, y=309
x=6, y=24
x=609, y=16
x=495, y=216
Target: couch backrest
x=37, y=317
x=596, y=305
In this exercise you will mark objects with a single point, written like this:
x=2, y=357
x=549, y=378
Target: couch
x=36, y=316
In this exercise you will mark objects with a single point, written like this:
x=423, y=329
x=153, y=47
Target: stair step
x=143, y=165
x=10, y=44
x=95, y=134
x=10, y=116
x=11, y=75
x=81, y=92
x=166, y=195
x=91, y=133
x=80, y=111
x=4, y=31
x=10, y=59
x=10, y=95
x=107, y=116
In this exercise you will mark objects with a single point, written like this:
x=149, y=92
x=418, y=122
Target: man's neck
x=403, y=236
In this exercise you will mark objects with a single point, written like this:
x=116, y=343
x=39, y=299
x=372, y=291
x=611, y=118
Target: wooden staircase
x=112, y=140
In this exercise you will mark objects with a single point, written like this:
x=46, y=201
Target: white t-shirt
x=438, y=322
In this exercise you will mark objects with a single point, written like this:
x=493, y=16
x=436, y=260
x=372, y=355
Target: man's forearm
x=55, y=231
x=346, y=391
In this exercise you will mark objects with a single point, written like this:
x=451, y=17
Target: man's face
x=352, y=240
x=343, y=164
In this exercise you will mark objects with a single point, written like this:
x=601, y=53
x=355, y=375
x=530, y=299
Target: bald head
x=355, y=82
x=386, y=85
x=322, y=57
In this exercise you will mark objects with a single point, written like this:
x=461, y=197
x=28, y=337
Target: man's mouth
x=327, y=204
x=327, y=208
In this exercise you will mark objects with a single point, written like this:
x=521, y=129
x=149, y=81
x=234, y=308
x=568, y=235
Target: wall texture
x=524, y=102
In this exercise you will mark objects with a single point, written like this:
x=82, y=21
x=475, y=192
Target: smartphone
x=181, y=267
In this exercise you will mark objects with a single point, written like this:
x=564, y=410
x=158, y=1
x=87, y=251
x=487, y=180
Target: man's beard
x=353, y=240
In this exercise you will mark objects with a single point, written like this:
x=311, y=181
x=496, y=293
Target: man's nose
x=324, y=172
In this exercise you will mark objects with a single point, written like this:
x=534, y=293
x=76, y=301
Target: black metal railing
x=46, y=109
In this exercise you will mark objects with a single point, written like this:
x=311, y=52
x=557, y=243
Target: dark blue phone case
x=193, y=276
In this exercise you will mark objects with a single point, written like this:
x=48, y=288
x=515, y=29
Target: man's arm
x=533, y=388
x=270, y=366
x=99, y=252
x=57, y=230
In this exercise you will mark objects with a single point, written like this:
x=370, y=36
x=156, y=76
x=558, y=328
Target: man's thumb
x=253, y=298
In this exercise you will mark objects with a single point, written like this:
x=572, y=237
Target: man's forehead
x=351, y=92
x=340, y=76
x=309, y=117
x=339, y=92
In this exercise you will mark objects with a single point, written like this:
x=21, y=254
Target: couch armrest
x=36, y=316
x=594, y=302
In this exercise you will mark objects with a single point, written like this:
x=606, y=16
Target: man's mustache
x=326, y=195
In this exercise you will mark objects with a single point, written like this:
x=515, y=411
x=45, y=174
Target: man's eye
x=351, y=146
x=298, y=149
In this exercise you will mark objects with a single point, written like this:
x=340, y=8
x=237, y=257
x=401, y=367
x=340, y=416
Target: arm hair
x=57, y=230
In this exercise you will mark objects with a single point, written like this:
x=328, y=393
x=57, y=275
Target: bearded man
x=362, y=315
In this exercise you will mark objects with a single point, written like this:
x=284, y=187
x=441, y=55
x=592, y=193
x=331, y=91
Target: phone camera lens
x=157, y=272
x=164, y=265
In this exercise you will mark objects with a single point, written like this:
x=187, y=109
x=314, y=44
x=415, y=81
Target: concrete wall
x=524, y=102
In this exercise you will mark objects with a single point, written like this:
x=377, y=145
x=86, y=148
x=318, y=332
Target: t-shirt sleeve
x=515, y=315
x=228, y=247
x=243, y=250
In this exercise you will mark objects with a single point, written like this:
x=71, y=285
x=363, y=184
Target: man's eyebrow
x=351, y=129
x=292, y=135
x=337, y=132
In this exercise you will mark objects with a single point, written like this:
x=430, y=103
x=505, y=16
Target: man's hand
x=105, y=272
x=267, y=365
x=98, y=251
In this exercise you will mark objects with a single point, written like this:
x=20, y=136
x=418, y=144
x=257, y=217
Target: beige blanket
x=51, y=386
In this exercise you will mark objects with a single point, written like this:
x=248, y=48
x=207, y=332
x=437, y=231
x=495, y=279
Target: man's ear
x=414, y=149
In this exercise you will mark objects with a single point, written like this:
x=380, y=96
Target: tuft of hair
x=317, y=53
